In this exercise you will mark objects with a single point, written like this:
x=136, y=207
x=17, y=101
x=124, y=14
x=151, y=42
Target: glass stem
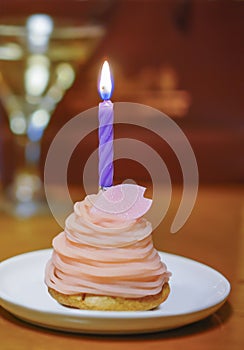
x=27, y=183
x=27, y=154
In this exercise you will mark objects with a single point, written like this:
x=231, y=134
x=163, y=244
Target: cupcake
x=105, y=258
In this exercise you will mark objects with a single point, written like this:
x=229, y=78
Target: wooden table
x=214, y=235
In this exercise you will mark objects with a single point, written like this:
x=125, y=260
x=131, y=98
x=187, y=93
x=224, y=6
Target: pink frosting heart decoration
x=126, y=201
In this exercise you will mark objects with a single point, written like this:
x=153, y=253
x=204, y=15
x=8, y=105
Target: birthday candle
x=106, y=117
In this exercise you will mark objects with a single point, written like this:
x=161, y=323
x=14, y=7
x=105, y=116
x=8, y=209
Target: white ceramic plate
x=196, y=292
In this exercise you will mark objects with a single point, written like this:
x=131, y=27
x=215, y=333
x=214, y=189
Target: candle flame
x=105, y=83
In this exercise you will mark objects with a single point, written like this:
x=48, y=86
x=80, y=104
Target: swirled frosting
x=105, y=255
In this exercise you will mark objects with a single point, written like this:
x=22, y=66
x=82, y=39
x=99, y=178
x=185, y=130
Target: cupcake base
x=110, y=303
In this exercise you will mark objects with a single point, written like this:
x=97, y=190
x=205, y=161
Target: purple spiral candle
x=106, y=117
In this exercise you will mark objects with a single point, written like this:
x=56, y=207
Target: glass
x=39, y=57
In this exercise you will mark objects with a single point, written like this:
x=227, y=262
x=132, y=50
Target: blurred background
x=183, y=57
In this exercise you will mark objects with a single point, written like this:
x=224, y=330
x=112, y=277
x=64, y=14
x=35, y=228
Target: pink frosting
x=105, y=255
x=124, y=200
